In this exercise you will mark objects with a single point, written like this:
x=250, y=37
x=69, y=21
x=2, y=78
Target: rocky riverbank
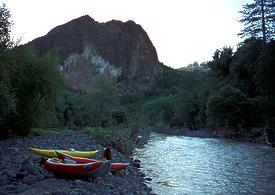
x=22, y=171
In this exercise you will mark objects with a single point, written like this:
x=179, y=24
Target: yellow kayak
x=52, y=153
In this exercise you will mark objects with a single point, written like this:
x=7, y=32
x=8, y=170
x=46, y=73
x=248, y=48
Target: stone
x=137, y=160
x=49, y=175
x=22, y=174
x=79, y=182
x=11, y=173
x=148, y=179
x=60, y=192
x=3, y=179
x=136, y=164
x=29, y=179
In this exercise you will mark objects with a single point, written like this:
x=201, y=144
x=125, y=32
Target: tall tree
x=5, y=28
x=259, y=20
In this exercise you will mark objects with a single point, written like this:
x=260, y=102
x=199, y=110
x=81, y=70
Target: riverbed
x=190, y=165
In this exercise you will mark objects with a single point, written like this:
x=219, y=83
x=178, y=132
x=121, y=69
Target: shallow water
x=187, y=165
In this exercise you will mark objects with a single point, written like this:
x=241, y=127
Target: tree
x=258, y=19
x=244, y=66
x=5, y=28
x=220, y=65
x=35, y=83
x=187, y=108
x=99, y=104
x=266, y=81
x=229, y=107
x=159, y=111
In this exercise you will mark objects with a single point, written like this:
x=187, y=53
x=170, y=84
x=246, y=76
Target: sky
x=182, y=31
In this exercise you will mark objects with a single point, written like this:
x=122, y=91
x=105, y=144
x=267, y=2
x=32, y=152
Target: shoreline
x=21, y=171
x=253, y=135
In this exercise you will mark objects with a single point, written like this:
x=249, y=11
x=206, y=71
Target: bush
x=227, y=107
x=32, y=84
x=100, y=133
x=159, y=112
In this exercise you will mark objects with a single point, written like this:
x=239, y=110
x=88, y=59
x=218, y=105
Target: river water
x=188, y=165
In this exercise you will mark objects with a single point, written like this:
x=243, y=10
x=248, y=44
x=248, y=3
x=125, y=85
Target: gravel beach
x=22, y=171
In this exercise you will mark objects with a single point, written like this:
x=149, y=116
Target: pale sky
x=182, y=31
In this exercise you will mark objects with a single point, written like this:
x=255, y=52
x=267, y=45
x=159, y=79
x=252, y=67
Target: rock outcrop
x=120, y=52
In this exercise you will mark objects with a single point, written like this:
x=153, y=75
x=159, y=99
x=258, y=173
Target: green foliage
x=44, y=131
x=244, y=66
x=5, y=28
x=220, y=65
x=265, y=71
x=190, y=107
x=159, y=112
x=97, y=105
x=100, y=133
x=97, y=108
x=187, y=109
x=33, y=84
x=167, y=82
x=265, y=81
x=226, y=107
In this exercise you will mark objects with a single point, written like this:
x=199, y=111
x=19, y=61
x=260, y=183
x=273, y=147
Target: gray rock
x=29, y=179
x=60, y=192
x=90, y=186
x=10, y=187
x=148, y=179
x=136, y=164
x=79, y=182
x=3, y=179
x=49, y=175
x=11, y=173
x=20, y=188
x=22, y=174
x=137, y=160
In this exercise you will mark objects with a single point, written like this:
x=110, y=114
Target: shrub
x=226, y=108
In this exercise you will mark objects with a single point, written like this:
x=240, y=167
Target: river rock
x=25, y=172
x=22, y=174
x=3, y=179
x=29, y=179
x=79, y=182
x=148, y=179
x=136, y=164
x=137, y=160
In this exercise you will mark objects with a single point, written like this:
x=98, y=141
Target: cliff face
x=120, y=52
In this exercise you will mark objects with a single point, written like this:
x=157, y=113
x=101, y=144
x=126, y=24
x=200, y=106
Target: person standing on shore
x=107, y=154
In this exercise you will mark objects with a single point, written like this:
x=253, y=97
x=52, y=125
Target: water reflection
x=186, y=165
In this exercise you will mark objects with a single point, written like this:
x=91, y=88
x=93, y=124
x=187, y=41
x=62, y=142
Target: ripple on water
x=186, y=165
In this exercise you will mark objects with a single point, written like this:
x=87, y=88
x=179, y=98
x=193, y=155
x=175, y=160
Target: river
x=188, y=165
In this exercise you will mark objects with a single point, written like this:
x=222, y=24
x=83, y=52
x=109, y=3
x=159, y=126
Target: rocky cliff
x=120, y=52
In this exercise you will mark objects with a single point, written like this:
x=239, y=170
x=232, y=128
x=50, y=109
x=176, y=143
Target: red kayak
x=92, y=169
x=114, y=166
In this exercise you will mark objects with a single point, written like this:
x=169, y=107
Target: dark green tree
x=35, y=82
x=229, y=107
x=220, y=65
x=266, y=81
x=5, y=28
x=244, y=66
x=98, y=105
x=259, y=20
